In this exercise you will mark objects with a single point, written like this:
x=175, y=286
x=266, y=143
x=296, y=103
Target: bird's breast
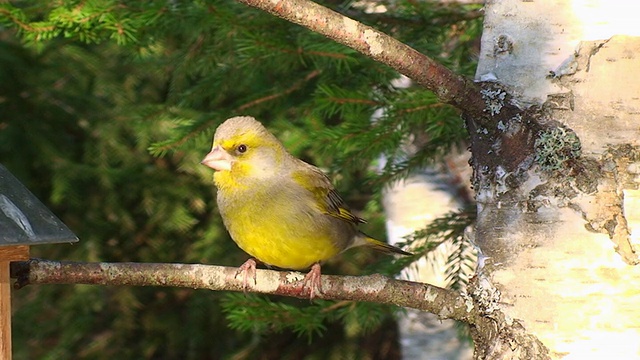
x=281, y=227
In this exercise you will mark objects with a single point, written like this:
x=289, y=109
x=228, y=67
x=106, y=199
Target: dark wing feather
x=328, y=199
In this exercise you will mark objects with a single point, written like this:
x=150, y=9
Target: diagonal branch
x=450, y=87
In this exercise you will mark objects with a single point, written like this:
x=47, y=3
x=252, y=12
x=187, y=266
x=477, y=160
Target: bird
x=280, y=210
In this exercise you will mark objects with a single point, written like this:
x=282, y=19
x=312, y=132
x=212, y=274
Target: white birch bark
x=410, y=205
x=563, y=253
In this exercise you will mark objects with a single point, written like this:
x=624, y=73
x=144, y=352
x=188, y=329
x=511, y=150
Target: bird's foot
x=313, y=281
x=249, y=270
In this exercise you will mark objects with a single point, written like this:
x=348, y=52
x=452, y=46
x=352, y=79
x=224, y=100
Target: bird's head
x=243, y=147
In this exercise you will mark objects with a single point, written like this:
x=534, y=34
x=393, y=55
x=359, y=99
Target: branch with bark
x=493, y=331
x=375, y=288
x=450, y=87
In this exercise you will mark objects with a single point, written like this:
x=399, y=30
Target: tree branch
x=375, y=288
x=493, y=333
x=450, y=87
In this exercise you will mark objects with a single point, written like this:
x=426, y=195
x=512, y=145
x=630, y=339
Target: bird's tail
x=379, y=245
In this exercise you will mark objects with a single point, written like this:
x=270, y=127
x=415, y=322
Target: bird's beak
x=218, y=159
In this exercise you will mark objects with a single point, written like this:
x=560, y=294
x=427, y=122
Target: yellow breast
x=277, y=244
x=273, y=227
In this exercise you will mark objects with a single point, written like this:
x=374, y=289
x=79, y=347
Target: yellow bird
x=277, y=208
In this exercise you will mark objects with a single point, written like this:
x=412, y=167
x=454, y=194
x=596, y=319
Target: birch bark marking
x=564, y=243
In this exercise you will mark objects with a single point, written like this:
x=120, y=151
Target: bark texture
x=557, y=217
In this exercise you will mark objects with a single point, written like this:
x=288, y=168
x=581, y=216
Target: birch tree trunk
x=423, y=335
x=559, y=223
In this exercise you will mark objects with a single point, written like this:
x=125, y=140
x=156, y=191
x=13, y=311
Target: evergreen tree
x=109, y=107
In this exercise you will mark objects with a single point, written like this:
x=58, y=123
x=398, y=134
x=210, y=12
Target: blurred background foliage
x=109, y=106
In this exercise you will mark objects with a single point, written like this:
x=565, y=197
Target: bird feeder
x=24, y=221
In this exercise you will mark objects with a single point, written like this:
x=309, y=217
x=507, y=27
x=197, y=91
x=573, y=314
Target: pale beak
x=218, y=159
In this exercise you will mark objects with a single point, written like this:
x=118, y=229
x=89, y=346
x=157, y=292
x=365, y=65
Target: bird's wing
x=326, y=197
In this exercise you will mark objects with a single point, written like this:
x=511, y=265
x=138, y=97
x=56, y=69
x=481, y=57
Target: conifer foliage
x=108, y=107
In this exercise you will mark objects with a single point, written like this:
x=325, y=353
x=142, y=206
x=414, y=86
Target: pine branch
x=417, y=22
x=447, y=85
x=297, y=85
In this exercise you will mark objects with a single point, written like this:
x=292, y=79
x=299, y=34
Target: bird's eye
x=242, y=148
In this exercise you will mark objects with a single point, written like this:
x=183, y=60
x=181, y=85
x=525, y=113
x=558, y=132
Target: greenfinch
x=280, y=210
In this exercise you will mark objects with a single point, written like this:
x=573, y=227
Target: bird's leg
x=312, y=280
x=249, y=270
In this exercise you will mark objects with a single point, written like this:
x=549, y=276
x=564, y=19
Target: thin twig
x=291, y=89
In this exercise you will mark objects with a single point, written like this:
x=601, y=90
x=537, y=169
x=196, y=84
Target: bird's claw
x=313, y=281
x=249, y=270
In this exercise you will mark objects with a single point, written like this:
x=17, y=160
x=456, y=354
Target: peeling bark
x=554, y=219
